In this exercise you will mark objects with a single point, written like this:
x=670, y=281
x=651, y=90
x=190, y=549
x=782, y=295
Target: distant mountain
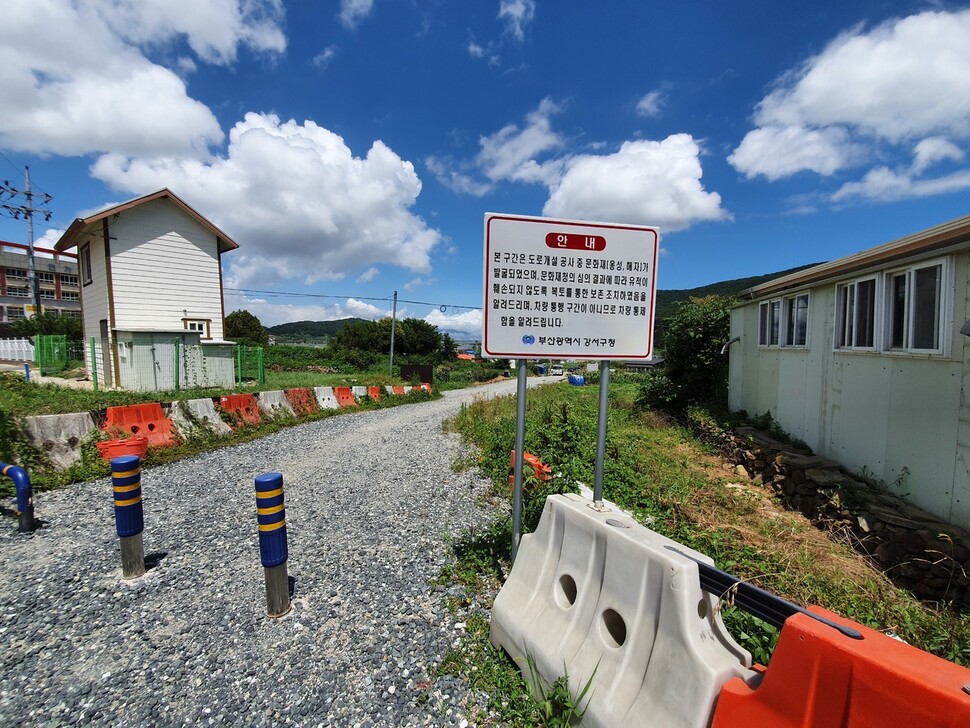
x=667, y=300
x=310, y=329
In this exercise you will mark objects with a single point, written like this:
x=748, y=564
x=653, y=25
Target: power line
x=33, y=204
x=357, y=298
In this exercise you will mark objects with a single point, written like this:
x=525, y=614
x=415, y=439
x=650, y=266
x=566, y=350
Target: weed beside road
x=657, y=470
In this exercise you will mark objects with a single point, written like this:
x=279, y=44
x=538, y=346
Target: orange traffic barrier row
x=146, y=420
x=399, y=389
x=345, y=396
x=374, y=392
x=134, y=445
x=303, y=400
x=241, y=406
x=821, y=678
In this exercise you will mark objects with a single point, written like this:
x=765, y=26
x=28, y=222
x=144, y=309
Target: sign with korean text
x=568, y=289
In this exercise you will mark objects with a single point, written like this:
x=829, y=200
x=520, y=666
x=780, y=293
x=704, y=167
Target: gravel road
x=369, y=499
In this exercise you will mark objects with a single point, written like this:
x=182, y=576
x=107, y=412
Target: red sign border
x=489, y=217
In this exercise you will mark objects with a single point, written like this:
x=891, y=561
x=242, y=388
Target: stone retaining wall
x=917, y=551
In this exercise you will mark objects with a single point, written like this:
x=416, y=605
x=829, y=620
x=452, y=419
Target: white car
x=556, y=371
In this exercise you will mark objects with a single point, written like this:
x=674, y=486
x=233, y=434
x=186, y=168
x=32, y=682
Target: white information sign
x=568, y=289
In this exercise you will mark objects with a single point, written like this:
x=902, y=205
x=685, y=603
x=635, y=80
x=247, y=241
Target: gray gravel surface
x=370, y=498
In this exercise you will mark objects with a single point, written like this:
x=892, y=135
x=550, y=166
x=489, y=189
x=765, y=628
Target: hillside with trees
x=309, y=330
x=667, y=300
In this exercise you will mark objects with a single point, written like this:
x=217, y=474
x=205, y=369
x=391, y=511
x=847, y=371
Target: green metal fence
x=50, y=353
x=249, y=364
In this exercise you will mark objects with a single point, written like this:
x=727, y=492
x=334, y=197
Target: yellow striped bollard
x=271, y=520
x=129, y=516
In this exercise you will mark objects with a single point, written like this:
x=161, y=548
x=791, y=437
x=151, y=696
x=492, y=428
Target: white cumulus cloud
x=644, y=182
x=517, y=14
x=74, y=79
x=296, y=199
x=899, y=89
x=213, y=29
x=352, y=12
x=650, y=104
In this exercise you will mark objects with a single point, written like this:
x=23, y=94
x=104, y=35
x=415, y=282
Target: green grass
x=659, y=472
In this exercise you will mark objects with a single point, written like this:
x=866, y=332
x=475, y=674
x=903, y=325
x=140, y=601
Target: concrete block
x=359, y=392
x=602, y=598
x=204, y=413
x=274, y=403
x=59, y=437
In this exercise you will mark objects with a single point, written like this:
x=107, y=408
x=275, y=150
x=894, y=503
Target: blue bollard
x=27, y=371
x=25, y=496
x=129, y=513
x=271, y=520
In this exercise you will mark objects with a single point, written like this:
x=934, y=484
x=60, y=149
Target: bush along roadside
x=80, y=460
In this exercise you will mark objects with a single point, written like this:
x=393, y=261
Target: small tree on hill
x=244, y=328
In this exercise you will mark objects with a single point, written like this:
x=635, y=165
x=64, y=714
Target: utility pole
x=393, y=321
x=27, y=210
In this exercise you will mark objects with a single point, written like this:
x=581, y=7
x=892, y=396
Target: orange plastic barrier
x=426, y=387
x=134, y=445
x=374, y=392
x=399, y=389
x=542, y=471
x=303, y=400
x=345, y=396
x=242, y=406
x=147, y=420
x=819, y=678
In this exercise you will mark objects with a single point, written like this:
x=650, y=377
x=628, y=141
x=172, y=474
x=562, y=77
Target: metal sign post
x=519, y=456
x=601, y=435
x=566, y=289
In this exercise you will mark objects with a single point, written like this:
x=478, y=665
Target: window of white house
x=199, y=325
x=784, y=322
x=796, y=320
x=914, y=308
x=769, y=329
x=84, y=261
x=855, y=315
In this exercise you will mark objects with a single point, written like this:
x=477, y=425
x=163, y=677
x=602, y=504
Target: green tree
x=694, y=370
x=242, y=327
x=50, y=323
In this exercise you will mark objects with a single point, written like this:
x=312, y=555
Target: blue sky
x=352, y=147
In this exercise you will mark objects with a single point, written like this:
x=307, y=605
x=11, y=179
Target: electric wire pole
x=27, y=210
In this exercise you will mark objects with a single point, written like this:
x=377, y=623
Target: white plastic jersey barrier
x=359, y=392
x=326, y=398
x=597, y=596
x=274, y=403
